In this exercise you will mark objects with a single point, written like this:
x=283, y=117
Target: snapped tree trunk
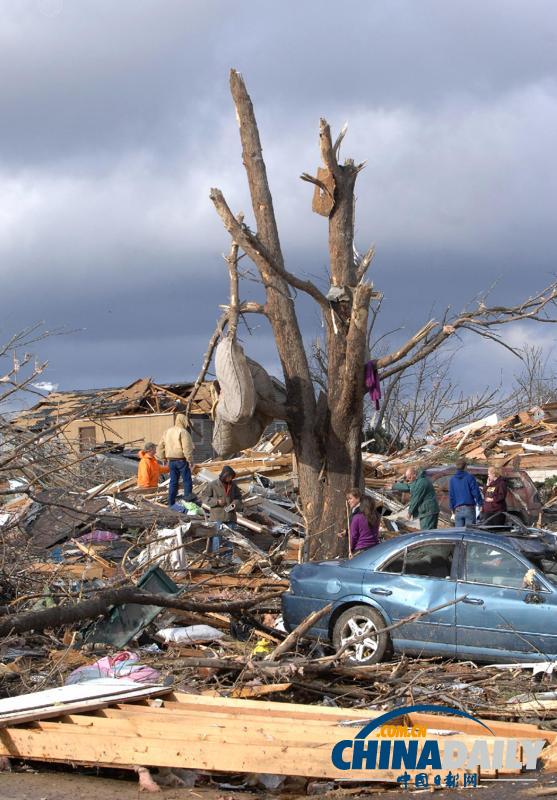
x=326, y=430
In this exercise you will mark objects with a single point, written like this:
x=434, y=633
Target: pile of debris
x=153, y=611
x=527, y=440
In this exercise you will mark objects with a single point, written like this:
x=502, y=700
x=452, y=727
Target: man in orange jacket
x=149, y=469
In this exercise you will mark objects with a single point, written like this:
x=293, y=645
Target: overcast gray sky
x=116, y=121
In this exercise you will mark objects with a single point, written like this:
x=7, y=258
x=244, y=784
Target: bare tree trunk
x=326, y=434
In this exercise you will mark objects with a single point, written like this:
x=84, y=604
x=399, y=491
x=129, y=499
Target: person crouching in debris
x=364, y=521
x=224, y=498
x=176, y=446
x=149, y=470
x=423, y=501
x=495, y=501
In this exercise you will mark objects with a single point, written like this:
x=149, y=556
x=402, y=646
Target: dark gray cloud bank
x=116, y=121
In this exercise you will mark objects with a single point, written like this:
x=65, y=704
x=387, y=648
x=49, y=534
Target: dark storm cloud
x=117, y=120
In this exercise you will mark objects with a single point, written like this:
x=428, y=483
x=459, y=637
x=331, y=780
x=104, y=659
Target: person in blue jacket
x=464, y=496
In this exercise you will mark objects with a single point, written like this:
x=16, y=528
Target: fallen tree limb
x=58, y=616
x=298, y=632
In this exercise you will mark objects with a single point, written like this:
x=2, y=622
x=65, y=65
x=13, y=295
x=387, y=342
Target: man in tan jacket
x=176, y=446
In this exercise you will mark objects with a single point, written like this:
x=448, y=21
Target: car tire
x=353, y=623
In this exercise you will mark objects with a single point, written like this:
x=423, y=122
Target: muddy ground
x=77, y=786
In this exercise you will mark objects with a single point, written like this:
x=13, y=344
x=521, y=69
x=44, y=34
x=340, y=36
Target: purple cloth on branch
x=372, y=383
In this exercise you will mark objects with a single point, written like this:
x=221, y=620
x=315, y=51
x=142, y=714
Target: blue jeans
x=215, y=542
x=464, y=515
x=178, y=467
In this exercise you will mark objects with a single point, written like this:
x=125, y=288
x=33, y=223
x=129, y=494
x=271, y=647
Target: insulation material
x=237, y=392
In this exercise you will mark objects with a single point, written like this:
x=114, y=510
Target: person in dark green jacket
x=423, y=502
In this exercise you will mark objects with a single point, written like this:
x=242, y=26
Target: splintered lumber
x=251, y=691
x=219, y=734
x=81, y=571
x=210, y=580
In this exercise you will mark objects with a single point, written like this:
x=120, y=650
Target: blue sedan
x=505, y=585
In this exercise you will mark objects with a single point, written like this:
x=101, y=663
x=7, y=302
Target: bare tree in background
x=326, y=425
x=425, y=400
x=43, y=458
x=536, y=383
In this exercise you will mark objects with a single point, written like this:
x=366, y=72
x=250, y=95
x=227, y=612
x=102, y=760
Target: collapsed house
x=124, y=417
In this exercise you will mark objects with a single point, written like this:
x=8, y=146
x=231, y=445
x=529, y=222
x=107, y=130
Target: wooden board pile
x=221, y=735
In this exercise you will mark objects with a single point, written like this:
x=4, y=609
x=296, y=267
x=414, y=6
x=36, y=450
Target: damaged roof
x=143, y=396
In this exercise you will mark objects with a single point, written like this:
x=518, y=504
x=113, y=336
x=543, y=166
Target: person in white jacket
x=176, y=447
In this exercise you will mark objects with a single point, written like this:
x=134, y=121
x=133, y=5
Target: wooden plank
x=174, y=749
x=85, y=572
x=221, y=733
x=263, y=707
x=212, y=722
x=510, y=729
x=258, y=691
x=77, y=697
x=237, y=581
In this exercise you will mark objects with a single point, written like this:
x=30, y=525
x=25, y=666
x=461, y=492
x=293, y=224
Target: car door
x=500, y=618
x=417, y=578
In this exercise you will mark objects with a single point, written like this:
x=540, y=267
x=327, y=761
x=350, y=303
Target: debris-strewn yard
x=106, y=582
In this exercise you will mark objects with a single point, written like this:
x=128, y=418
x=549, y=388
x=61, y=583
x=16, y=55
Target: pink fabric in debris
x=122, y=665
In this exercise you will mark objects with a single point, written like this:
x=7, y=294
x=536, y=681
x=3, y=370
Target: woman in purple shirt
x=364, y=521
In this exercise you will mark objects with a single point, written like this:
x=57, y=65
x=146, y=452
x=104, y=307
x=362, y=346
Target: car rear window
x=428, y=560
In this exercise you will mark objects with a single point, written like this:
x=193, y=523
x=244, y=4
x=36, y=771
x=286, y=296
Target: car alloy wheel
x=355, y=628
x=350, y=631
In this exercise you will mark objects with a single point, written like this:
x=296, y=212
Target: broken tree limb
x=298, y=632
x=232, y=261
x=58, y=616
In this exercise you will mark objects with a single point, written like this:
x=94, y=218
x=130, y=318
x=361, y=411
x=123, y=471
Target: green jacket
x=422, y=495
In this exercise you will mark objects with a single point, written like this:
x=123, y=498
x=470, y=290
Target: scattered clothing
x=122, y=665
x=495, y=501
x=372, y=383
x=423, y=500
x=149, y=470
x=362, y=534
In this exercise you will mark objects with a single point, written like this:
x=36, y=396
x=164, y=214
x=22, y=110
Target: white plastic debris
x=190, y=634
